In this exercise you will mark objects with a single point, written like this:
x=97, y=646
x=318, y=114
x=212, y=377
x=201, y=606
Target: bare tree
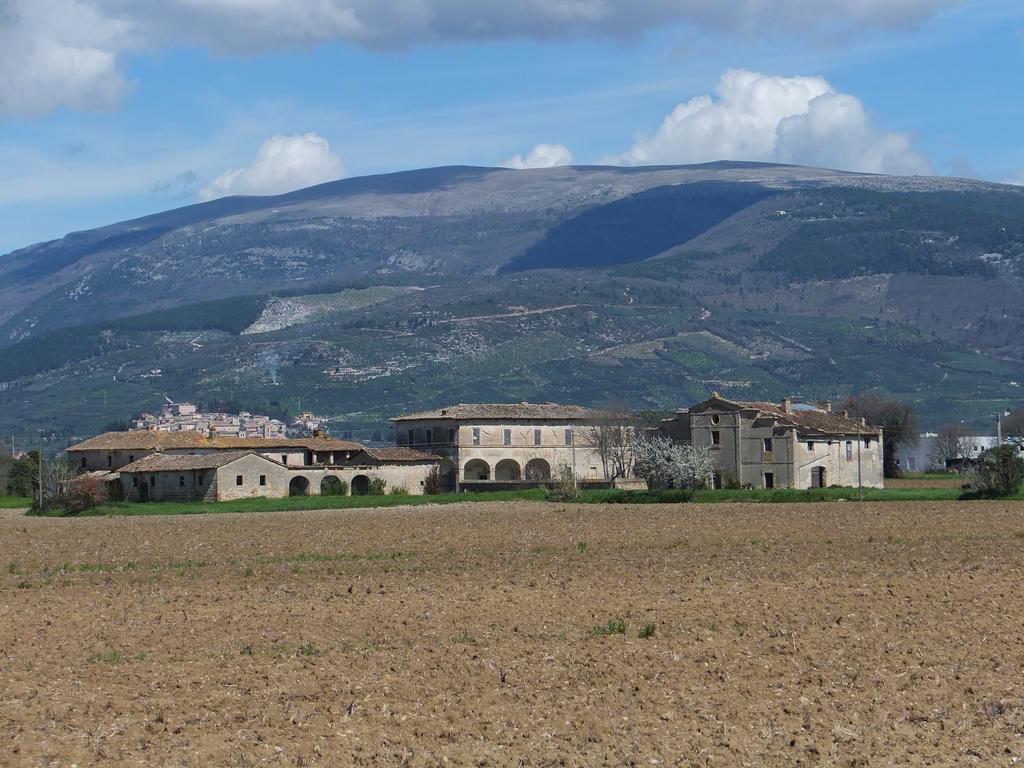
x=951, y=443
x=610, y=436
x=1013, y=428
x=897, y=420
x=57, y=477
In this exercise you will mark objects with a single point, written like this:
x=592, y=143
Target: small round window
x=715, y=419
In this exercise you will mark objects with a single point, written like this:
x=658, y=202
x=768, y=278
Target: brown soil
x=789, y=635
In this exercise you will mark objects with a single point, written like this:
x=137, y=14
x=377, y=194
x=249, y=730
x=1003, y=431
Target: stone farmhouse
x=161, y=466
x=790, y=445
x=503, y=442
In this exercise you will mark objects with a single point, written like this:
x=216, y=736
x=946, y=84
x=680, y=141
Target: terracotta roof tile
x=397, y=453
x=162, y=462
x=806, y=420
x=152, y=440
x=504, y=412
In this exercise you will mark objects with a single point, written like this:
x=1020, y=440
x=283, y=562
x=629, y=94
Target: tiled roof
x=152, y=440
x=504, y=412
x=162, y=462
x=397, y=454
x=806, y=420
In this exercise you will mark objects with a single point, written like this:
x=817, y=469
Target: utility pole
x=860, y=477
x=40, y=471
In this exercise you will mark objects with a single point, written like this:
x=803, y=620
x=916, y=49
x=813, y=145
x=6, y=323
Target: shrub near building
x=1000, y=471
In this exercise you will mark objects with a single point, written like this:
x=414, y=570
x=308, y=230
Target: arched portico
x=360, y=485
x=507, y=469
x=538, y=469
x=476, y=469
x=331, y=486
x=298, y=486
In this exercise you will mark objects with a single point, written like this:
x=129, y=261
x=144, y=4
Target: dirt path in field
x=488, y=634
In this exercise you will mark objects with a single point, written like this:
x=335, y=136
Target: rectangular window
x=867, y=442
x=849, y=450
x=263, y=479
x=769, y=479
x=83, y=462
x=199, y=479
x=767, y=445
x=110, y=460
x=568, y=436
x=130, y=458
x=716, y=437
x=284, y=458
x=810, y=447
x=476, y=435
x=135, y=481
x=181, y=481
x=238, y=479
x=536, y=437
x=429, y=436
x=507, y=436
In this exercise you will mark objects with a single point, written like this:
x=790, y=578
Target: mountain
x=364, y=297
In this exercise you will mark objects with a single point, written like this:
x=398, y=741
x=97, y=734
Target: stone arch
x=476, y=469
x=507, y=469
x=538, y=469
x=331, y=486
x=360, y=485
x=298, y=486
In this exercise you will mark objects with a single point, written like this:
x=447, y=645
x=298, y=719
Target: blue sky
x=113, y=112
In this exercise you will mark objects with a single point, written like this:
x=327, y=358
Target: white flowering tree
x=666, y=464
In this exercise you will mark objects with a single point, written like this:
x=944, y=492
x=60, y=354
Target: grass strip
x=128, y=508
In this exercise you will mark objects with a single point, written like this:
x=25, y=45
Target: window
x=239, y=479
x=849, y=450
x=715, y=418
x=451, y=436
x=284, y=458
x=83, y=462
x=199, y=479
x=263, y=479
x=716, y=437
x=110, y=460
x=769, y=479
x=536, y=437
x=429, y=436
x=131, y=458
x=506, y=436
x=810, y=446
x=181, y=481
x=135, y=481
x=867, y=442
x=568, y=436
x=476, y=435
x=767, y=445
x=152, y=481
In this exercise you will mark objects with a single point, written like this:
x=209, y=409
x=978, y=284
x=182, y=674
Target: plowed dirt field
x=488, y=634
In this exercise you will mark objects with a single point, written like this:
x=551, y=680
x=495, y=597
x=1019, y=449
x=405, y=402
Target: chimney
x=787, y=404
x=213, y=432
x=318, y=432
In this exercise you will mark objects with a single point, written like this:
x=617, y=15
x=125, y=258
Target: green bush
x=1000, y=471
x=334, y=486
x=377, y=486
x=399, y=490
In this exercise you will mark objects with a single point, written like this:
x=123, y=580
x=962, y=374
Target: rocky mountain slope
x=366, y=296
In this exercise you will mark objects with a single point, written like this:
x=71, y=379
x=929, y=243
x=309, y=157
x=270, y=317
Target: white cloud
x=68, y=52
x=801, y=120
x=59, y=53
x=541, y=156
x=282, y=164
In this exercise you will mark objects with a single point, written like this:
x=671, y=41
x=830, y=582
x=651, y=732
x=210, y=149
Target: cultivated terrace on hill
x=373, y=296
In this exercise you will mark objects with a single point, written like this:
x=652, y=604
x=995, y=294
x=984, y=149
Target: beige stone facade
x=504, y=442
x=791, y=445
x=181, y=467
x=212, y=477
